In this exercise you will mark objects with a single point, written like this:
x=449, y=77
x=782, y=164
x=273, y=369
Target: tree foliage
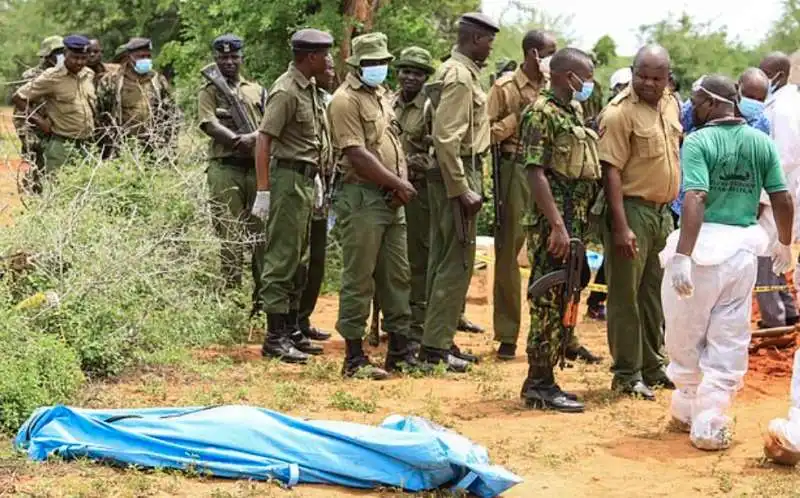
x=605, y=50
x=785, y=33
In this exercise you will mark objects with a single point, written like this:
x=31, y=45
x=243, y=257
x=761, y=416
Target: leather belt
x=307, y=169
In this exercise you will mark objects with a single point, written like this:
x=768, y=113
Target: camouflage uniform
x=29, y=138
x=544, y=127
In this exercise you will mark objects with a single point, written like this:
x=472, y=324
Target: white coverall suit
x=707, y=334
x=787, y=430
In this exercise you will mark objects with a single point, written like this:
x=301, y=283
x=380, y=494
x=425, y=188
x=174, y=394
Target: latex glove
x=781, y=259
x=319, y=192
x=681, y=271
x=261, y=205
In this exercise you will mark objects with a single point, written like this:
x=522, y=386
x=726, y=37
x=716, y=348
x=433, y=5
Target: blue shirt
x=759, y=122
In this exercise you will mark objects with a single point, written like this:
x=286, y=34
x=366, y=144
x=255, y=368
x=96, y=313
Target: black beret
x=310, y=40
x=227, y=44
x=138, y=44
x=76, y=43
x=479, y=20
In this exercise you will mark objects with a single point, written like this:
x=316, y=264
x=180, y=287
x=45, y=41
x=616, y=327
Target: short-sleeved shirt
x=252, y=97
x=363, y=117
x=643, y=142
x=293, y=118
x=732, y=163
x=507, y=98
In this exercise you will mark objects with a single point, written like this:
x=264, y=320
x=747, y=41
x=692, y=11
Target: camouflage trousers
x=547, y=334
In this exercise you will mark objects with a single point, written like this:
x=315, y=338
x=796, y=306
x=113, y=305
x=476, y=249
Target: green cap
x=370, y=47
x=119, y=52
x=50, y=45
x=417, y=58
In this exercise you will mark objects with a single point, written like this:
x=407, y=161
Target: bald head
x=776, y=66
x=651, y=73
x=654, y=56
x=754, y=84
x=543, y=42
x=720, y=85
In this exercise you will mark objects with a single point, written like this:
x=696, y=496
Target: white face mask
x=544, y=65
x=59, y=60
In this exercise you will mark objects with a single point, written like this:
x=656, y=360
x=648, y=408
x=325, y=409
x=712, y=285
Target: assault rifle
x=238, y=113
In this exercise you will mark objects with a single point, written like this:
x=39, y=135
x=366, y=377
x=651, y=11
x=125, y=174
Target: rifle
x=238, y=113
x=498, y=200
x=569, y=280
x=462, y=226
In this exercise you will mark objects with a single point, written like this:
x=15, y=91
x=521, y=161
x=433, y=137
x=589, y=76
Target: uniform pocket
x=371, y=122
x=648, y=143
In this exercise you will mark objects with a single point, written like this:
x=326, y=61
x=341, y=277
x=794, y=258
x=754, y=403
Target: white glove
x=781, y=258
x=261, y=205
x=319, y=192
x=681, y=271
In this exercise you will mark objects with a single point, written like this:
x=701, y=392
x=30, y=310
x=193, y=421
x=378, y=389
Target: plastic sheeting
x=254, y=443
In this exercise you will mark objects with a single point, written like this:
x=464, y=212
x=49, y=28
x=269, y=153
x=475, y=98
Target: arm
x=503, y=125
x=263, y=152
x=449, y=129
x=209, y=122
x=279, y=109
x=614, y=149
x=783, y=212
x=692, y=215
x=35, y=90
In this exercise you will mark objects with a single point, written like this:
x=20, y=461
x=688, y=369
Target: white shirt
x=782, y=109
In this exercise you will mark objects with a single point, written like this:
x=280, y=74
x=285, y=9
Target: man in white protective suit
x=711, y=261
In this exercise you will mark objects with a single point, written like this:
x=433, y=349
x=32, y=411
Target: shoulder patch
x=504, y=80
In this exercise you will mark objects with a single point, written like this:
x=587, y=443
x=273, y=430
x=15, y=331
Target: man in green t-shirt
x=711, y=261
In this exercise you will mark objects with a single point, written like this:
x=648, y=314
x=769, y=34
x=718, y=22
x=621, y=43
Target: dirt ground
x=618, y=447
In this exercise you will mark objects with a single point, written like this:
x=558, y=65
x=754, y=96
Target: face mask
x=750, y=108
x=143, y=66
x=59, y=59
x=585, y=92
x=544, y=64
x=374, y=75
x=773, y=84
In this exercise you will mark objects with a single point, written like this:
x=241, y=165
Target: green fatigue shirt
x=460, y=124
x=136, y=104
x=105, y=68
x=68, y=99
x=293, y=117
x=594, y=104
x=251, y=95
x=24, y=130
x=415, y=120
x=363, y=116
x=508, y=96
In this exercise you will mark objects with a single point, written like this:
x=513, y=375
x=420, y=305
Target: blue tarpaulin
x=254, y=443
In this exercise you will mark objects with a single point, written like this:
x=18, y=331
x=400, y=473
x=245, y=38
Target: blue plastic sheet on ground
x=254, y=443
x=595, y=260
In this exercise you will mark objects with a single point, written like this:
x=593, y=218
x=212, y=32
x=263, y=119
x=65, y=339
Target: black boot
x=507, y=351
x=540, y=391
x=277, y=343
x=356, y=363
x=300, y=341
x=430, y=358
x=315, y=334
x=469, y=358
x=582, y=354
x=400, y=355
x=464, y=325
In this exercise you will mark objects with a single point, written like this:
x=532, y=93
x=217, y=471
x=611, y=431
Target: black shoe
x=304, y=344
x=465, y=325
x=540, y=391
x=638, y=390
x=430, y=358
x=506, y=352
x=469, y=358
x=315, y=334
x=570, y=396
x=414, y=346
x=662, y=382
x=399, y=356
x=356, y=363
x=583, y=354
x=277, y=343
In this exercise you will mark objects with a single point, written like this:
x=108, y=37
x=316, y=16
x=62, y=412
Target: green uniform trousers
x=374, y=261
x=232, y=189
x=55, y=152
x=634, y=314
x=418, y=217
x=316, y=270
x=508, y=241
x=450, y=263
x=286, y=255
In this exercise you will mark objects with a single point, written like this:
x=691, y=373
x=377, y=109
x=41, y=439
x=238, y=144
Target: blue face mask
x=143, y=66
x=585, y=92
x=750, y=108
x=374, y=75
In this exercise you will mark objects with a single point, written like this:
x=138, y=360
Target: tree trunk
x=359, y=18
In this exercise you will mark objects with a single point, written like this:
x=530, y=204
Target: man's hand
x=781, y=258
x=405, y=192
x=470, y=202
x=558, y=243
x=681, y=272
x=247, y=142
x=261, y=205
x=625, y=242
x=45, y=127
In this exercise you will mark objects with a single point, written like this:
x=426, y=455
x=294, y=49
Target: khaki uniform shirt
x=210, y=99
x=293, y=117
x=415, y=119
x=643, y=143
x=363, y=117
x=460, y=123
x=69, y=100
x=139, y=104
x=507, y=98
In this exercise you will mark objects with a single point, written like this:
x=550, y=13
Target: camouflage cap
x=369, y=47
x=50, y=45
x=417, y=58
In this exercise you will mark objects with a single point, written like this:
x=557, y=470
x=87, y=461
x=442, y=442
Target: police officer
x=563, y=183
x=67, y=94
x=51, y=53
x=369, y=209
x=96, y=63
x=414, y=114
x=231, y=171
x=507, y=98
x=136, y=101
x=288, y=154
x=460, y=138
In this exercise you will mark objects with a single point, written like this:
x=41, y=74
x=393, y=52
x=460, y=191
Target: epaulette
x=504, y=80
x=624, y=94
